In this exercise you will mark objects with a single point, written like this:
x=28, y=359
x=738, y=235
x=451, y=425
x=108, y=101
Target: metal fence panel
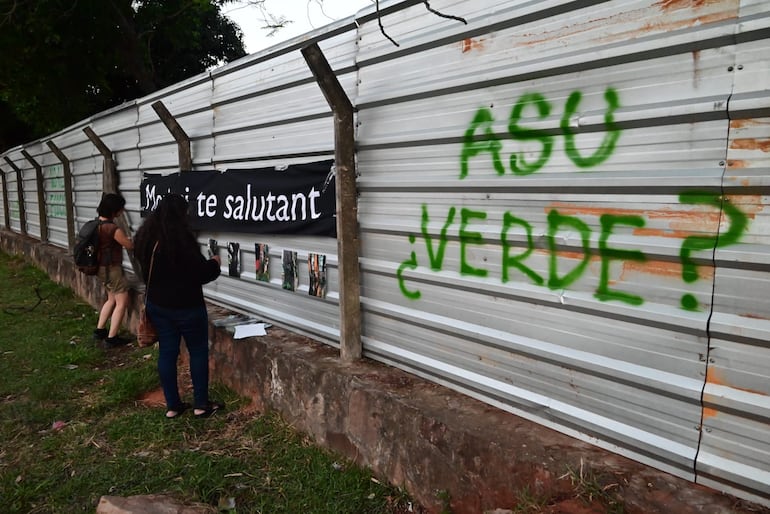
x=735, y=448
x=540, y=193
x=561, y=206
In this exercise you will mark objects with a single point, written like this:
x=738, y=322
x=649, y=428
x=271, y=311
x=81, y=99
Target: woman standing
x=175, y=302
x=112, y=240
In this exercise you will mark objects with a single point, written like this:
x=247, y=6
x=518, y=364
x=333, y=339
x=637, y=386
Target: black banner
x=297, y=200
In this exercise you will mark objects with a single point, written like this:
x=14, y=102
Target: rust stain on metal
x=663, y=269
x=715, y=376
x=736, y=124
x=576, y=255
x=681, y=221
x=751, y=144
x=469, y=44
x=753, y=316
x=708, y=11
x=659, y=232
x=750, y=205
x=737, y=164
x=709, y=413
x=670, y=5
x=573, y=210
x=711, y=11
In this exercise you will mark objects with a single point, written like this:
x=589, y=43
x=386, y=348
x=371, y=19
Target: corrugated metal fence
x=561, y=208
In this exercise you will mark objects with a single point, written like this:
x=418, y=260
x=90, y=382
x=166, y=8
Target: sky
x=305, y=16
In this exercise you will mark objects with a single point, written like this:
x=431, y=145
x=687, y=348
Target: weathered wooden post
x=347, y=202
x=20, y=194
x=180, y=136
x=40, y=195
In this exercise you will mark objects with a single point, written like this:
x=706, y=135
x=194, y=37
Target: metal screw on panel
x=729, y=68
x=708, y=430
x=740, y=66
x=712, y=361
x=721, y=163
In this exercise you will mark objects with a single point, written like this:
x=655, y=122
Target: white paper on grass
x=252, y=329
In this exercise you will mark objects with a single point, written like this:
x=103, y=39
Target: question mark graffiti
x=738, y=223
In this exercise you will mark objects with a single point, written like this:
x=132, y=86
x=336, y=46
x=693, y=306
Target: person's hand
x=217, y=258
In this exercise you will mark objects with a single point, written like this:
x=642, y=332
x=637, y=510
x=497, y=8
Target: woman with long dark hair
x=175, y=305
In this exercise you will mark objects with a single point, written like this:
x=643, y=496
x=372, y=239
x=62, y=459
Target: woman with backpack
x=112, y=240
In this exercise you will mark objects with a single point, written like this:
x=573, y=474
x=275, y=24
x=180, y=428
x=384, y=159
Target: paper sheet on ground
x=252, y=329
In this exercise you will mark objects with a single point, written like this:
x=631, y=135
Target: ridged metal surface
x=561, y=206
x=612, y=356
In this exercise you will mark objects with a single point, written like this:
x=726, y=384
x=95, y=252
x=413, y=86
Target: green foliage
x=63, y=61
x=73, y=430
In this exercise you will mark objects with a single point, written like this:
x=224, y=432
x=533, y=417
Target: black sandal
x=209, y=410
x=177, y=411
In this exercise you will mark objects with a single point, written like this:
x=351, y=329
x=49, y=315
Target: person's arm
x=207, y=269
x=123, y=239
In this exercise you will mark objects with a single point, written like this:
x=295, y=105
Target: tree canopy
x=64, y=60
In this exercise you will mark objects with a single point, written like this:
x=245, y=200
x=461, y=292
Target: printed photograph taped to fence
x=262, y=261
x=290, y=279
x=265, y=201
x=316, y=264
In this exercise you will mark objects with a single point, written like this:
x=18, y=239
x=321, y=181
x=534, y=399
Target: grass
x=72, y=428
x=592, y=487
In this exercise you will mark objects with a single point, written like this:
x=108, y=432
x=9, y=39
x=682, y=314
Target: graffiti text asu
x=480, y=138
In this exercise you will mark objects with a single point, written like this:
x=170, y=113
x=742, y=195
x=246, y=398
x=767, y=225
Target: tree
x=64, y=60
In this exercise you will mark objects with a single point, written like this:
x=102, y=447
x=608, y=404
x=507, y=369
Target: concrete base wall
x=450, y=452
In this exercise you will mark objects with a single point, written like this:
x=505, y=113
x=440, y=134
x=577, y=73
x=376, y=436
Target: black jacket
x=178, y=284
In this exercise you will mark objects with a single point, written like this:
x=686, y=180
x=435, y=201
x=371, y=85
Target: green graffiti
x=480, y=138
x=738, y=224
x=473, y=147
x=556, y=220
x=467, y=238
x=510, y=220
x=608, y=254
x=519, y=165
x=611, y=136
x=436, y=259
x=411, y=263
x=56, y=183
x=488, y=142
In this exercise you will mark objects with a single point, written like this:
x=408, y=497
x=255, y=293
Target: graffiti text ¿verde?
x=511, y=261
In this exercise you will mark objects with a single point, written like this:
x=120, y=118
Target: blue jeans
x=172, y=325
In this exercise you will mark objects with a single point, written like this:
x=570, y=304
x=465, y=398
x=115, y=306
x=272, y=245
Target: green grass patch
x=72, y=428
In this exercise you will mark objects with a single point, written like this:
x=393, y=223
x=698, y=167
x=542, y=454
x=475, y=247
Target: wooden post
x=347, y=202
x=40, y=195
x=20, y=193
x=68, y=199
x=181, y=138
x=110, y=178
x=6, y=210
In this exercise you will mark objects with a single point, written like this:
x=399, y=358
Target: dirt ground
x=604, y=492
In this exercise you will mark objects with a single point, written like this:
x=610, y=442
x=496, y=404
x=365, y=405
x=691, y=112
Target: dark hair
x=110, y=205
x=168, y=224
